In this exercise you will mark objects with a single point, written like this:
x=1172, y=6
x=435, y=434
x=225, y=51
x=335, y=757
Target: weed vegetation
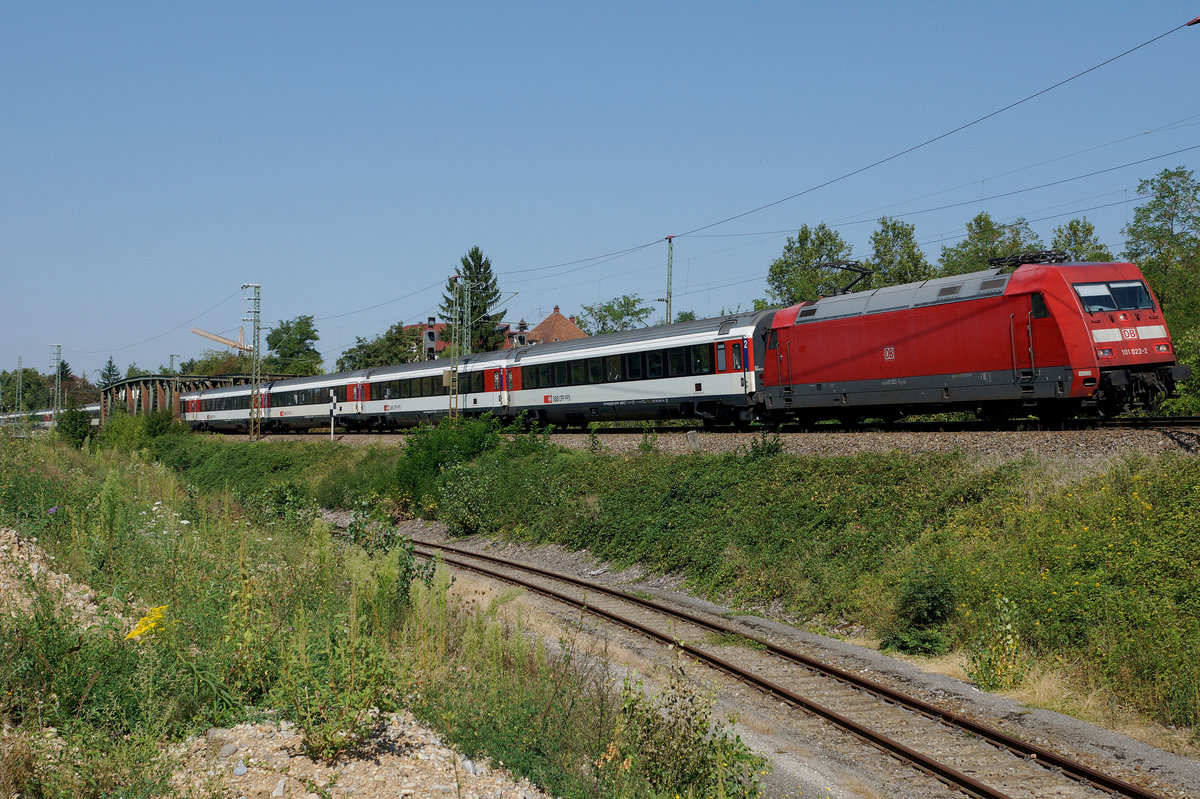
x=249, y=602
x=1017, y=565
x=227, y=597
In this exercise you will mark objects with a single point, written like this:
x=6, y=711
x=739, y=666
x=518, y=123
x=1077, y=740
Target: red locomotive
x=1048, y=338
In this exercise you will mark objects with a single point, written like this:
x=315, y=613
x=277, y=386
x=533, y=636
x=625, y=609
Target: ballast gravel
x=1091, y=448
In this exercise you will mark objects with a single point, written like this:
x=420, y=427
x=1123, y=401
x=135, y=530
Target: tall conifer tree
x=485, y=296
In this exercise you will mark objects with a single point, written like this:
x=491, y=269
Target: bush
x=996, y=661
x=431, y=449
x=672, y=745
x=926, y=602
x=74, y=425
x=335, y=687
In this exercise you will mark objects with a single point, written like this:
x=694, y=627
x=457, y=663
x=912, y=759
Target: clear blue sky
x=155, y=156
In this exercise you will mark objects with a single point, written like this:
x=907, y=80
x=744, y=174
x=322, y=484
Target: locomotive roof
x=987, y=283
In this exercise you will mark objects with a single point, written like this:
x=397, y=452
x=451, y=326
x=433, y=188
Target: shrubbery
x=925, y=605
x=1094, y=570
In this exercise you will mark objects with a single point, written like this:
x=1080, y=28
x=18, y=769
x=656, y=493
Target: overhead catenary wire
x=940, y=136
x=159, y=335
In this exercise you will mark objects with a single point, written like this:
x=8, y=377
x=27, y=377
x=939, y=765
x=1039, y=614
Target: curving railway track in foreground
x=970, y=757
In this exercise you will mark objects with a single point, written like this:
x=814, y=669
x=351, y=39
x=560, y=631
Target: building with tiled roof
x=555, y=327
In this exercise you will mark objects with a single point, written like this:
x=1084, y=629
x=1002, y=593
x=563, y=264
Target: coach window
x=545, y=375
x=612, y=370
x=426, y=386
x=578, y=373
x=633, y=366
x=1040, y=311
x=654, y=364
x=477, y=382
x=676, y=362
x=700, y=358
x=562, y=373
x=737, y=356
x=721, y=356
x=496, y=380
x=595, y=370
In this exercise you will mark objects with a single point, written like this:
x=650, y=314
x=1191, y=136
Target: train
x=1039, y=337
x=43, y=418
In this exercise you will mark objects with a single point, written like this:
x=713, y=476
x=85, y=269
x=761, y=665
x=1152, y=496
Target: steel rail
x=1045, y=757
x=941, y=771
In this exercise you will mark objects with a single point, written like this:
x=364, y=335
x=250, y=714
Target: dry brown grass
x=1052, y=689
x=527, y=612
x=18, y=761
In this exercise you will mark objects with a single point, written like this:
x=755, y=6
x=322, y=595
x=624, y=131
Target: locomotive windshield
x=1124, y=295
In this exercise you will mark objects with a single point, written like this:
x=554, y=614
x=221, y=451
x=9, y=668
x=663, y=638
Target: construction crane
x=240, y=344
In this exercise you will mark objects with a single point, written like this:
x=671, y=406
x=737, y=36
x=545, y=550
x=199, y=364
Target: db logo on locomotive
x=1129, y=332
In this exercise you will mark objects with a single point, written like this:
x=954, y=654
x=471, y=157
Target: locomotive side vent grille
x=993, y=284
x=949, y=291
x=807, y=312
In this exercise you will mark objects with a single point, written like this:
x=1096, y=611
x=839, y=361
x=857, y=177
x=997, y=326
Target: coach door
x=355, y=396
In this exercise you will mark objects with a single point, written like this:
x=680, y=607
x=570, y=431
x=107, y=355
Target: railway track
x=945, y=426
x=970, y=757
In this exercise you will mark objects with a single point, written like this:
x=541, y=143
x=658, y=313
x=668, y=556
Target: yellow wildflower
x=150, y=621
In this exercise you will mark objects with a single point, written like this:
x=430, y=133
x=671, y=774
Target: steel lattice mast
x=255, y=316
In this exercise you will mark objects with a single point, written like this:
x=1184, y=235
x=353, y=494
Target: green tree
x=73, y=425
x=686, y=316
x=135, y=371
x=217, y=362
x=291, y=348
x=1164, y=240
x=987, y=239
x=483, y=314
x=397, y=345
x=620, y=313
x=34, y=392
x=80, y=391
x=1078, y=240
x=110, y=373
x=895, y=255
x=796, y=275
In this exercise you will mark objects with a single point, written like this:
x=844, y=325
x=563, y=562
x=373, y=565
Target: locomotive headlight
x=1105, y=353
x=1162, y=347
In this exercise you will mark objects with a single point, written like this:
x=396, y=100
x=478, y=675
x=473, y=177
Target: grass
x=249, y=602
x=1021, y=568
x=1091, y=565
